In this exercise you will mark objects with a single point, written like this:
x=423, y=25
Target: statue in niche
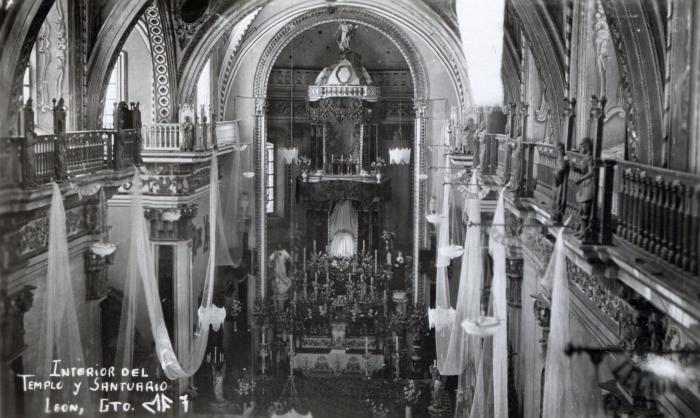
x=584, y=194
x=398, y=282
x=346, y=30
x=187, y=134
x=561, y=175
x=282, y=282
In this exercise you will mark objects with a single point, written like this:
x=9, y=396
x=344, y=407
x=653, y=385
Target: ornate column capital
x=420, y=108
x=260, y=106
x=171, y=223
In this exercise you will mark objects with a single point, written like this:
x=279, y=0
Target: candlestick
x=291, y=343
x=396, y=338
x=314, y=246
x=363, y=246
x=375, y=261
x=366, y=345
x=304, y=259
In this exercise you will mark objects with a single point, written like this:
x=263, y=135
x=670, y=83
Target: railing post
x=600, y=221
x=138, y=140
x=569, y=123
x=212, y=126
x=59, y=129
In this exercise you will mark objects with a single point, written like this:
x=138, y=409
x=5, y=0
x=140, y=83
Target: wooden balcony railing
x=36, y=159
x=659, y=213
x=545, y=186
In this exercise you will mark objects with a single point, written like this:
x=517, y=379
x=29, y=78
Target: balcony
x=33, y=160
x=178, y=143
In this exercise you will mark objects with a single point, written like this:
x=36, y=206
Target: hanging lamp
x=400, y=154
x=290, y=154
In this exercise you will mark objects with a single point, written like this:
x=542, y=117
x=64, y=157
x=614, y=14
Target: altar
x=337, y=362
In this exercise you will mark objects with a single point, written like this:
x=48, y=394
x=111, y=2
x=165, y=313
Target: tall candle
x=304, y=259
x=396, y=337
x=366, y=345
x=314, y=246
x=375, y=261
x=263, y=337
x=363, y=246
x=291, y=343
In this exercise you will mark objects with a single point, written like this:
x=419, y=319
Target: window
x=270, y=178
x=26, y=84
x=203, y=88
x=116, y=90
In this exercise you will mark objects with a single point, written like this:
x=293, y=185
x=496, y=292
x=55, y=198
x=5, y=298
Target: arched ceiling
x=317, y=48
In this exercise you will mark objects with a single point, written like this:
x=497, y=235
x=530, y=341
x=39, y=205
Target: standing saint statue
x=282, y=282
x=187, y=134
x=346, y=30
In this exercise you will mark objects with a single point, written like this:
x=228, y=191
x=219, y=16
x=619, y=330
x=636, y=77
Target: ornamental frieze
x=34, y=236
x=538, y=245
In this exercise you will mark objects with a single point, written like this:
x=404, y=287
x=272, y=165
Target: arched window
x=270, y=178
x=116, y=90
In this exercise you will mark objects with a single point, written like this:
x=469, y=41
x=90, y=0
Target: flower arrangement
x=245, y=387
x=304, y=163
x=411, y=393
x=378, y=409
x=417, y=319
x=263, y=312
x=378, y=163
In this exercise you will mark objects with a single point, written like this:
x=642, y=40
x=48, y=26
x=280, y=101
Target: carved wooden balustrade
x=659, y=213
x=545, y=186
x=36, y=159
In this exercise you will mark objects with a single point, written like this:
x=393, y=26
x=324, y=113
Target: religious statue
x=282, y=282
x=399, y=275
x=584, y=194
x=346, y=30
x=138, y=140
x=60, y=168
x=481, y=138
x=560, y=177
x=218, y=381
x=120, y=118
x=187, y=129
x=469, y=137
x=28, y=158
x=199, y=144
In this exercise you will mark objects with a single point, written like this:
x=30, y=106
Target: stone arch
x=110, y=39
x=20, y=26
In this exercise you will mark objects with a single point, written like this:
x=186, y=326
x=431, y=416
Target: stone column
x=418, y=195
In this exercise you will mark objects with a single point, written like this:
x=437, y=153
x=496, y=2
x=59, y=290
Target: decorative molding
x=165, y=228
x=43, y=48
x=61, y=48
x=514, y=271
x=161, y=78
x=601, y=42
x=34, y=236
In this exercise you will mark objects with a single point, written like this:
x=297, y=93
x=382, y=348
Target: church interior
x=350, y=208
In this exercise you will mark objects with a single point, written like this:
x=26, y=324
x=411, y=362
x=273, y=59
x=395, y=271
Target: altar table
x=337, y=361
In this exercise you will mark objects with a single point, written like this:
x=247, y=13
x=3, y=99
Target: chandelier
x=289, y=154
x=399, y=154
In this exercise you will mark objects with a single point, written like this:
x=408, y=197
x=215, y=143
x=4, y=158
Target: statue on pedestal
x=585, y=192
x=282, y=282
x=187, y=134
x=346, y=30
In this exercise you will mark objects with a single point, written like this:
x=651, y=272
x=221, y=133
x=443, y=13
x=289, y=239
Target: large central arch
x=264, y=68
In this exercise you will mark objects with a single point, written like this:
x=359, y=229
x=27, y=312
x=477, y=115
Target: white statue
x=279, y=260
x=346, y=31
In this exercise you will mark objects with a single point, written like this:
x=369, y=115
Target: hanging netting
x=495, y=348
x=59, y=339
x=558, y=399
x=141, y=288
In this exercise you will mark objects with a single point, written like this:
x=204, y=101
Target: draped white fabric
x=491, y=389
x=237, y=215
x=442, y=316
x=460, y=353
x=141, y=286
x=59, y=338
x=498, y=299
x=558, y=399
x=342, y=227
